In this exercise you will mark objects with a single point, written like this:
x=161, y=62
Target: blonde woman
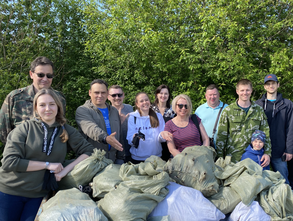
x=184, y=131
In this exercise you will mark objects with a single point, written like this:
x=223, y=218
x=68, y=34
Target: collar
x=218, y=107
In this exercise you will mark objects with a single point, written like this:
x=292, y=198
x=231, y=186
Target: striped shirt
x=184, y=136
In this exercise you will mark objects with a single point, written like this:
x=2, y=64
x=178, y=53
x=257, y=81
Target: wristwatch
x=104, y=140
x=47, y=164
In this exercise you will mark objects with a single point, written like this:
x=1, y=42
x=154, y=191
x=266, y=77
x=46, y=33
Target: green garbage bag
x=278, y=201
x=194, y=167
x=232, y=171
x=69, y=205
x=134, y=199
x=106, y=180
x=249, y=185
x=83, y=172
x=225, y=200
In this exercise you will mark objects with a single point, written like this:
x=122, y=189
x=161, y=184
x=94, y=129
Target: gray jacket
x=91, y=125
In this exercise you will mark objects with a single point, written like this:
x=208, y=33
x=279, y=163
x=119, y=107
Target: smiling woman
x=184, y=131
x=47, y=109
x=147, y=127
x=33, y=157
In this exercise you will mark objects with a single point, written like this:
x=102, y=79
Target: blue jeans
x=18, y=208
x=281, y=166
x=290, y=169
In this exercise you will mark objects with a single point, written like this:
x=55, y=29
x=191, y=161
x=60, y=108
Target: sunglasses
x=115, y=95
x=182, y=105
x=41, y=75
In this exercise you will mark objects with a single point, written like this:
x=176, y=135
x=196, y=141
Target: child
x=255, y=150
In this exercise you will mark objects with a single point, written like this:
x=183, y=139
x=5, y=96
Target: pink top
x=184, y=136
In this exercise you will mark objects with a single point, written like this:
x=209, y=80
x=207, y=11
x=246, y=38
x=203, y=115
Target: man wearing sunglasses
x=116, y=97
x=18, y=105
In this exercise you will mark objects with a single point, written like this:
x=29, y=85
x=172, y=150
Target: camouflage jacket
x=18, y=107
x=236, y=127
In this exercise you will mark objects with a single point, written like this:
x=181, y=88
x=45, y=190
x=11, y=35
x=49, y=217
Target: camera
x=135, y=140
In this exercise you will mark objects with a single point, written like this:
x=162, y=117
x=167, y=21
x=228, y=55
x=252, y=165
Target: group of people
x=36, y=136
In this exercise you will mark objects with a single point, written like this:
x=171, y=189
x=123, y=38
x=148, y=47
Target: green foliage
x=141, y=44
x=190, y=44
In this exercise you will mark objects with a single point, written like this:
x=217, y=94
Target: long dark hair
x=158, y=90
x=153, y=116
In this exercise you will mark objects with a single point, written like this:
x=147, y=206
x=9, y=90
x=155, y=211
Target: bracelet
x=47, y=165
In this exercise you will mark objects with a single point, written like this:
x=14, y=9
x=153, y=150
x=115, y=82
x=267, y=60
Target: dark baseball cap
x=271, y=77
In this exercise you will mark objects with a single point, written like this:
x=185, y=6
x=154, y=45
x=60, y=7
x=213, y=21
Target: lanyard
x=52, y=140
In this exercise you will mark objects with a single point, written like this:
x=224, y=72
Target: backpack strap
x=216, y=123
x=195, y=121
x=134, y=119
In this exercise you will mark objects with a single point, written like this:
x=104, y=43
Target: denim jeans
x=281, y=166
x=290, y=169
x=18, y=208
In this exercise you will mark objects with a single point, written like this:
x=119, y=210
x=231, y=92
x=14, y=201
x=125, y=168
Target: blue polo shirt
x=209, y=116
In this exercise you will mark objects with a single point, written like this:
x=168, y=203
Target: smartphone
x=284, y=157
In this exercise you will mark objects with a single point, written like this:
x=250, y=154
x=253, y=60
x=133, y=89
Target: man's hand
x=288, y=156
x=265, y=160
x=113, y=142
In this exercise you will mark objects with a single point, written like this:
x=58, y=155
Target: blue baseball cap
x=271, y=77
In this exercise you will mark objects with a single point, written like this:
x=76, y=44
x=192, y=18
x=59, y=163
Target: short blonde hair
x=185, y=97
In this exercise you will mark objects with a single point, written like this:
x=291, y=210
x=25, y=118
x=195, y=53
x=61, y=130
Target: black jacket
x=280, y=121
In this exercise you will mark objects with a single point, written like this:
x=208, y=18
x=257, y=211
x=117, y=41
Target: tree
x=50, y=28
x=189, y=44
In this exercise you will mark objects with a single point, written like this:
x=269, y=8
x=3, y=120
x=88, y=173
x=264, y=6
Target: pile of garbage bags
x=191, y=186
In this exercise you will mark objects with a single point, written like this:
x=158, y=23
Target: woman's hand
x=56, y=167
x=167, y=136
x=60, y=175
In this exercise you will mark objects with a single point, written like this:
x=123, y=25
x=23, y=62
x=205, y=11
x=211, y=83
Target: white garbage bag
x=186, y=204
x=249, y=213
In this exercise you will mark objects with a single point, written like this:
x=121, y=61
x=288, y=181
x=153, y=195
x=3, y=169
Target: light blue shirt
x=209, y=116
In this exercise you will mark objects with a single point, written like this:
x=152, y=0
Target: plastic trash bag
x=225, y=200
x=139, y=193
x=229, y=171
x=126, y=204
x=278, y=201
x=249, y=185
x=106, y=180
x=249, y=213
x=186, y=204
x=84, y=171
x=194, y=167
x=69, y=205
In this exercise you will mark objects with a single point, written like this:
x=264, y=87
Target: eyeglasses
x=182, y=105
x=115, y=95
x=41, y=75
